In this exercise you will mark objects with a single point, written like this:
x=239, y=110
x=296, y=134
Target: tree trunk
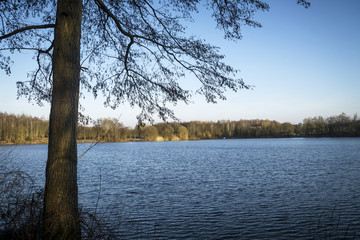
x=61, y=216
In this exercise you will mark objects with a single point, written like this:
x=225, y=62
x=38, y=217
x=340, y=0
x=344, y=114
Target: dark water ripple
x=234, y=189
x=226, y=189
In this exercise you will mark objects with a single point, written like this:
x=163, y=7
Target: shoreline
x=45, y=141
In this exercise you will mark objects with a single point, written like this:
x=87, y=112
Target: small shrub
x=330, y=226
x=20, y=202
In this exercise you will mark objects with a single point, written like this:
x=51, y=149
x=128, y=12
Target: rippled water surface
x=218, y=189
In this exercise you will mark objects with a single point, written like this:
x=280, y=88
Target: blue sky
x=303, y=63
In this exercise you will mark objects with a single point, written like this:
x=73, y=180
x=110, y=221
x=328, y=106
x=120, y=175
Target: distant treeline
x=16, y=129
x=20, y=129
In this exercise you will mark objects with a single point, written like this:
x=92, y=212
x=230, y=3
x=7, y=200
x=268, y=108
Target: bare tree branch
x=103, y=7
x=23, y=29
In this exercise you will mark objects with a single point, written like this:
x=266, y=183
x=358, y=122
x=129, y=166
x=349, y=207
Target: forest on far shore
x=23, y=129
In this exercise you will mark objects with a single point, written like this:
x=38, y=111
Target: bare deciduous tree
x=133, y=50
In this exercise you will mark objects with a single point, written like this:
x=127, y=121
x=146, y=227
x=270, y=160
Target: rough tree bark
x=61, y=216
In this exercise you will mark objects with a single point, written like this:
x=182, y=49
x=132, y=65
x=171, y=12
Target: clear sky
x=303, y=63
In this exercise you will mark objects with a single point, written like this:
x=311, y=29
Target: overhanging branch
x=104, y=8
x=23, y=29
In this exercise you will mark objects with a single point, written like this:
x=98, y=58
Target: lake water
x=221, y=189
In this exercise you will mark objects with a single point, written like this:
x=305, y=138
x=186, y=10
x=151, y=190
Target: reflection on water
x=216, y=189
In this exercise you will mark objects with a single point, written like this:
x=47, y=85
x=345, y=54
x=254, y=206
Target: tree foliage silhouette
x=131, y=51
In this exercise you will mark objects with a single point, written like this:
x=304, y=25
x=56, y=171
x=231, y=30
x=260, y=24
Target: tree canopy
x=131, y=51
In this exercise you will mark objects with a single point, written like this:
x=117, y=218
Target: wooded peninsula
x=23, y=129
